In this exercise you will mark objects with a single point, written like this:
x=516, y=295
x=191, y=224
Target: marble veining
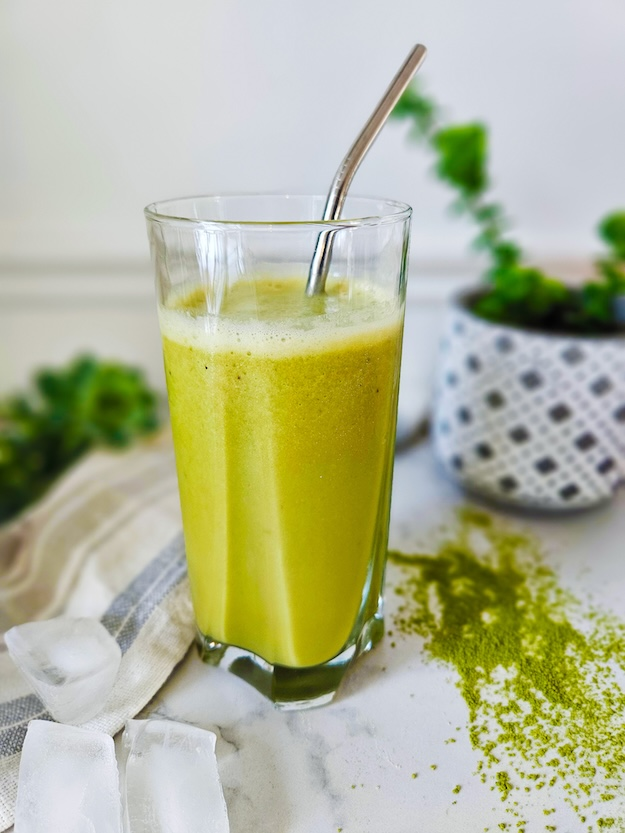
x=376, y=760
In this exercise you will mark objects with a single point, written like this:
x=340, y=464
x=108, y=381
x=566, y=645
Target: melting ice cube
x=71, y=663
x=68, y=781
x=171, y=783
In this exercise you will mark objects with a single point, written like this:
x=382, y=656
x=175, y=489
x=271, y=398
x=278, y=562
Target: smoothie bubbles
x=283, y=411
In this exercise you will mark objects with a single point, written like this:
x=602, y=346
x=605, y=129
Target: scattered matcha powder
x=503, y=784
x=538, y=669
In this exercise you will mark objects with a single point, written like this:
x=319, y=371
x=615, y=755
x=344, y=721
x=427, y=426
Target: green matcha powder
x=540, y=671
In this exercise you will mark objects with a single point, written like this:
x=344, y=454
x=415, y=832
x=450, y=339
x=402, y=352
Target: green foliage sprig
x=68, y=411
x=517, y=294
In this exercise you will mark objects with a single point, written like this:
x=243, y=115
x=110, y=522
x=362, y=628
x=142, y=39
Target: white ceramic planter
x=527, y=418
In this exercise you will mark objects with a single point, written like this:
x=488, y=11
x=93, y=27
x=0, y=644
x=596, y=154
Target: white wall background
x=107, y=106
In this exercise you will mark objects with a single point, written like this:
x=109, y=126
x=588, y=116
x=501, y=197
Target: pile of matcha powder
x=542, y=673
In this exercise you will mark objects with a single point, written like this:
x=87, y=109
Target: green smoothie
x=283, y=413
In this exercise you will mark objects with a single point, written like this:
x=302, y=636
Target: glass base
x=292, y=688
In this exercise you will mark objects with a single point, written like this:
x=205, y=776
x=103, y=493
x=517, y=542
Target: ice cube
x=71, y=663
x=68, y=781
x=171, y=784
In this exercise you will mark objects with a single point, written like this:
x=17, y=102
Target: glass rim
x=397, y=212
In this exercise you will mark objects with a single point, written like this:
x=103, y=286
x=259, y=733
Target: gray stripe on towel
x=129, y=611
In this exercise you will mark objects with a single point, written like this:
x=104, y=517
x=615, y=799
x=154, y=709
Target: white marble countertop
x=349, y=766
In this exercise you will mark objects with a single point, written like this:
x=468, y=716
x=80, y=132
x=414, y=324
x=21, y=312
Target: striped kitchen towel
x=104, y=542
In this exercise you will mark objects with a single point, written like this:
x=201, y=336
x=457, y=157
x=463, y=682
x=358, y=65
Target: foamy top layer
x=274, y=316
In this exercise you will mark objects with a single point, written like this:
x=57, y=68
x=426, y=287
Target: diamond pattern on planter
x=605, y=466
x=520, y=434
x=586, y=442
x=484, y=451
x=504, y=344
x=555, y=433
x=495, y=399
x=573, y=355
x=569, y=491
x=546, y=465
x=601, y=386
x=531, y=380
x=560, y=412
x=464, y=415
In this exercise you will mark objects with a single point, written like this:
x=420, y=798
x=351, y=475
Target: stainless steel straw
x=320, y=263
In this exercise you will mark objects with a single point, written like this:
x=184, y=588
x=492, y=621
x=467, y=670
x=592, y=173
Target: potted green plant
x=530, y=394
x=65, y=412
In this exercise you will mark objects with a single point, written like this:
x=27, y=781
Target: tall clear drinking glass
x=283, y=411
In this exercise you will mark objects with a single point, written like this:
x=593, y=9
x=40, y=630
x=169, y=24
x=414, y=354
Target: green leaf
x=612, y=231
x=462, y=158
x=68, y=411
x=614, y=275
x=506, y=254
x=518, y=294
x=597, y=302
